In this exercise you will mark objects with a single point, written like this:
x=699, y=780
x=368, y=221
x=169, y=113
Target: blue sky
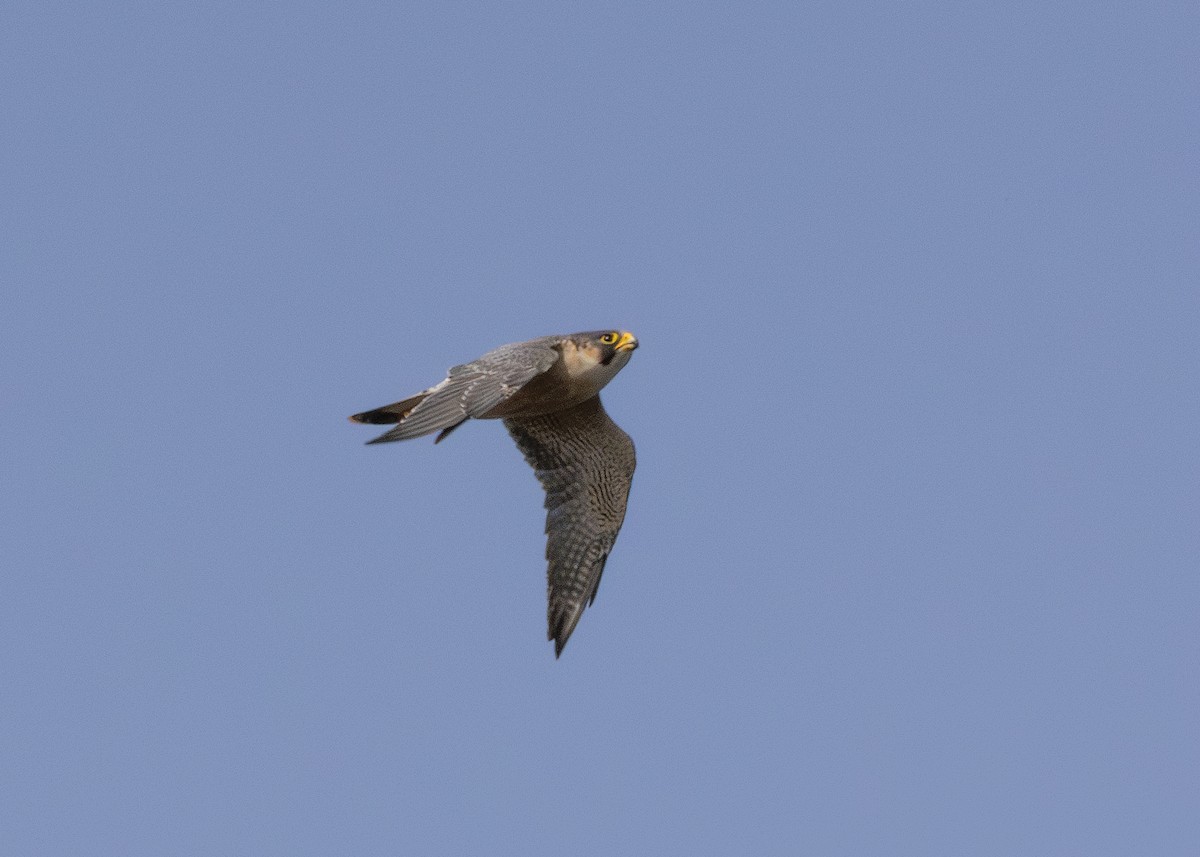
x=910, y=565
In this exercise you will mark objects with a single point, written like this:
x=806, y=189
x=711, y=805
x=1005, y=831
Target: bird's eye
x=608, y=338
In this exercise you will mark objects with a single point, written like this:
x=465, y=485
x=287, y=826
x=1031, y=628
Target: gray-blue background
x=911, y=559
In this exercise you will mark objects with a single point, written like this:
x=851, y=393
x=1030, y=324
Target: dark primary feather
x=390, y=413
x=585, y=463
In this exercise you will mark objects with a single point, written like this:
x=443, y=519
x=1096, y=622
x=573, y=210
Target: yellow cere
x=626, y=341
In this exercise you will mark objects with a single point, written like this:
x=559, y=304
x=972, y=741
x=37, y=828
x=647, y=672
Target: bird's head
x=607, y=347
x=597, y=356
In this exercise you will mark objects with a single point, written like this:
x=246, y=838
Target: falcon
x=547, y=392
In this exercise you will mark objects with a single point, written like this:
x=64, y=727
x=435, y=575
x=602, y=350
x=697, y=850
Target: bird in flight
x=547, y=391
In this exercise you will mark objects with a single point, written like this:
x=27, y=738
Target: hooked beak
x=627, y=342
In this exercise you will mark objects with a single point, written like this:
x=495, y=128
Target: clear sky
x=910, y=565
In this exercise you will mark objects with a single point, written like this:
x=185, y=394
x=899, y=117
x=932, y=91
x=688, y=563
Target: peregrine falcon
x=547, y=391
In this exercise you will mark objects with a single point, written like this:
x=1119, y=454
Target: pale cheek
x=579, y=362
x=587, y=369
x=601, y=374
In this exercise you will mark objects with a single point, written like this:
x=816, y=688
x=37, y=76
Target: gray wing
x=469, y=390
x=585, y=462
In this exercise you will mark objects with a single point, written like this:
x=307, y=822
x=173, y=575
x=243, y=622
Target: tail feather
x=393, y=413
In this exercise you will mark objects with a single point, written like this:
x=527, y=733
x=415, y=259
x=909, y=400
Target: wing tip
x=562, y=626
x=390, y=414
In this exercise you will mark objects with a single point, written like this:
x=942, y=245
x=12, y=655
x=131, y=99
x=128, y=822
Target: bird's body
x=547, y=392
